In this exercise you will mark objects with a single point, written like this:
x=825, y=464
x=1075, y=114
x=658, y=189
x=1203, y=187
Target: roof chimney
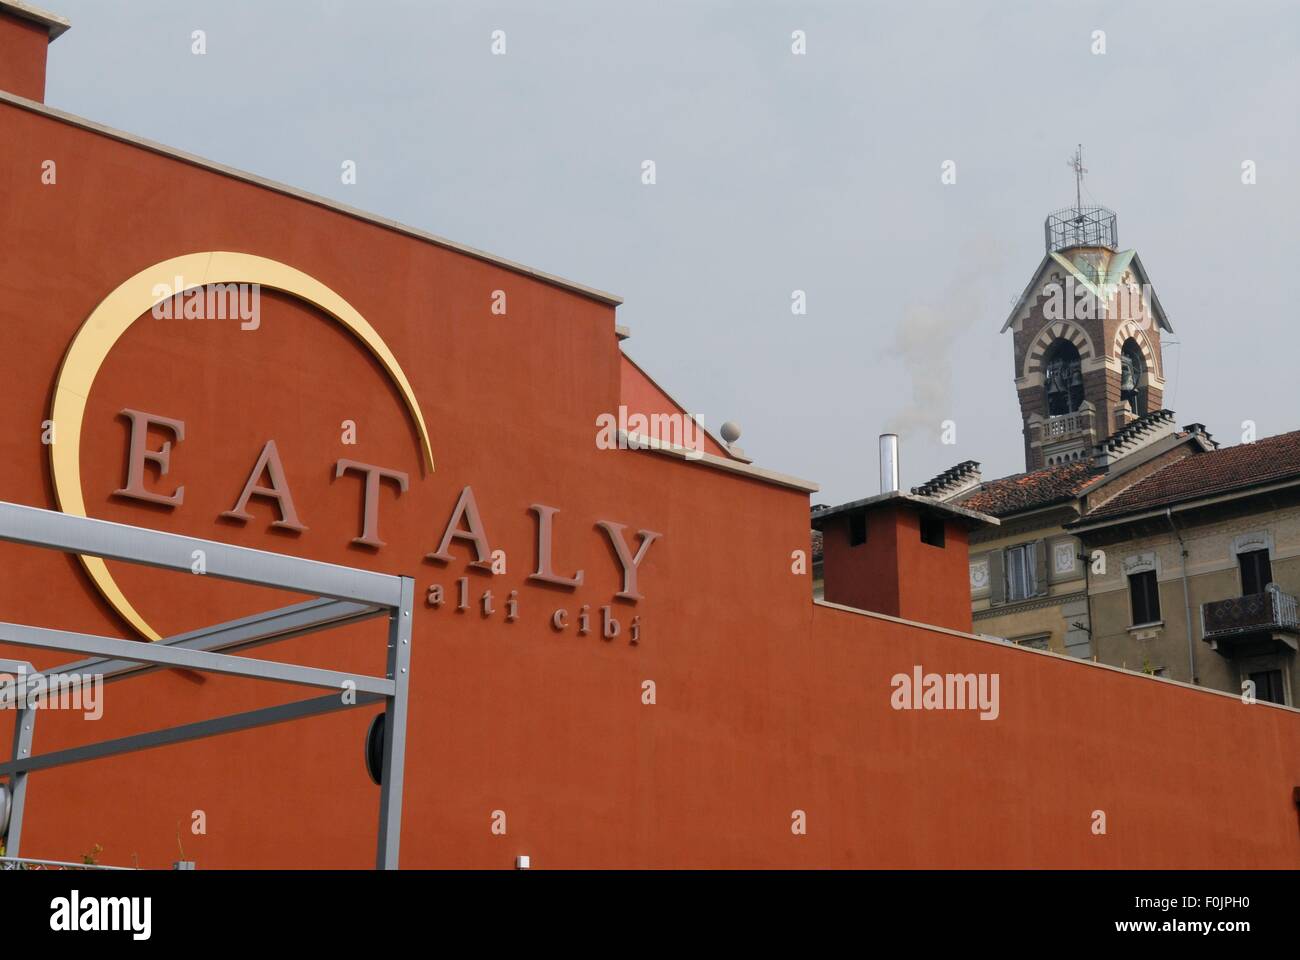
x=901, y=555
x=25, y=33
x=888, y=462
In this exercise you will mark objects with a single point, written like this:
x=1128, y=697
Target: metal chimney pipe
x=888, y=462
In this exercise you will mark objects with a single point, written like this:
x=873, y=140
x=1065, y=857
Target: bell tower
x=1085, y=337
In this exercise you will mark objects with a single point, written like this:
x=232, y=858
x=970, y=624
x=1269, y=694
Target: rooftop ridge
x=52, y=22
x=1136, y=428
x=956, y=479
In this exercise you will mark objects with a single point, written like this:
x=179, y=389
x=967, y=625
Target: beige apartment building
x=1030, y=577
x=1178, y=558
x=1202, y=568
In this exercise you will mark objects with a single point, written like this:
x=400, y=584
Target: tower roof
x=1095, y=268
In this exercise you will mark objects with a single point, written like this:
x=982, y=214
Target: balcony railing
x=1258, y=613
x=1063, y=426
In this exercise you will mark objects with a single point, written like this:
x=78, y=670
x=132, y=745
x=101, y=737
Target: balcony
x=1252, y=625
x=1067, y=437
x=1066, y=425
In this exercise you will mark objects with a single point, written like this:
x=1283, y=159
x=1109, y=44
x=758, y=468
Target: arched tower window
x=1132, y=367
x=1063, y=380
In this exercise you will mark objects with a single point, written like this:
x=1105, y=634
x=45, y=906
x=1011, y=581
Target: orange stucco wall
x=23, y=46
x=640, y=394
x=765, y=703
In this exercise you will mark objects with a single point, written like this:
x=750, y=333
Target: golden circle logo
x=138, y=296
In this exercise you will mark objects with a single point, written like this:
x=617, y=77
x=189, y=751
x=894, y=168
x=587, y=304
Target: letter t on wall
x=370, y=500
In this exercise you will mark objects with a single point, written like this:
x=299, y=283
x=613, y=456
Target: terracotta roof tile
x=1205, y=474
x=1028, y=491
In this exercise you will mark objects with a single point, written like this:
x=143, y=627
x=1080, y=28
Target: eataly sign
x=267, y=481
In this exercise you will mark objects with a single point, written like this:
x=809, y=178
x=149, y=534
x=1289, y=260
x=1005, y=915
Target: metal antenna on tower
x=1080, y=226
x=1076, y=162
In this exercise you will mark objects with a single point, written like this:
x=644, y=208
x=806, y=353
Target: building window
x=1132, y=368
x=1020, y=572
x=932, y=530
x=1036, y=643
x=1144, y=593
x=1063, y=378
x=1256, y=571
x=857, y=529
x=1268, y=686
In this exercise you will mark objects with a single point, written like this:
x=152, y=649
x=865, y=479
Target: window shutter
x=997, y=577
x=1040, y=568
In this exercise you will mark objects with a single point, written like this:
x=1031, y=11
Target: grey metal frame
x=15, y=863
x=1080, y=226
x=343, y=595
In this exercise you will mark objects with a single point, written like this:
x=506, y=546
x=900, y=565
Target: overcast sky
x=776, y=173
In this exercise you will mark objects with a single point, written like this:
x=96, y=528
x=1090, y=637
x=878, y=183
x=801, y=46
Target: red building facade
x=732, y=721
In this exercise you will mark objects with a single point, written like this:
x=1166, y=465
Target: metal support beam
x=118, y=541
x=163, y=655
x=20, y=766
x=242, y=634
x=59, y=863
x=390, y=788
x=24, y=722
x=10, y=671
x=343, y=596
